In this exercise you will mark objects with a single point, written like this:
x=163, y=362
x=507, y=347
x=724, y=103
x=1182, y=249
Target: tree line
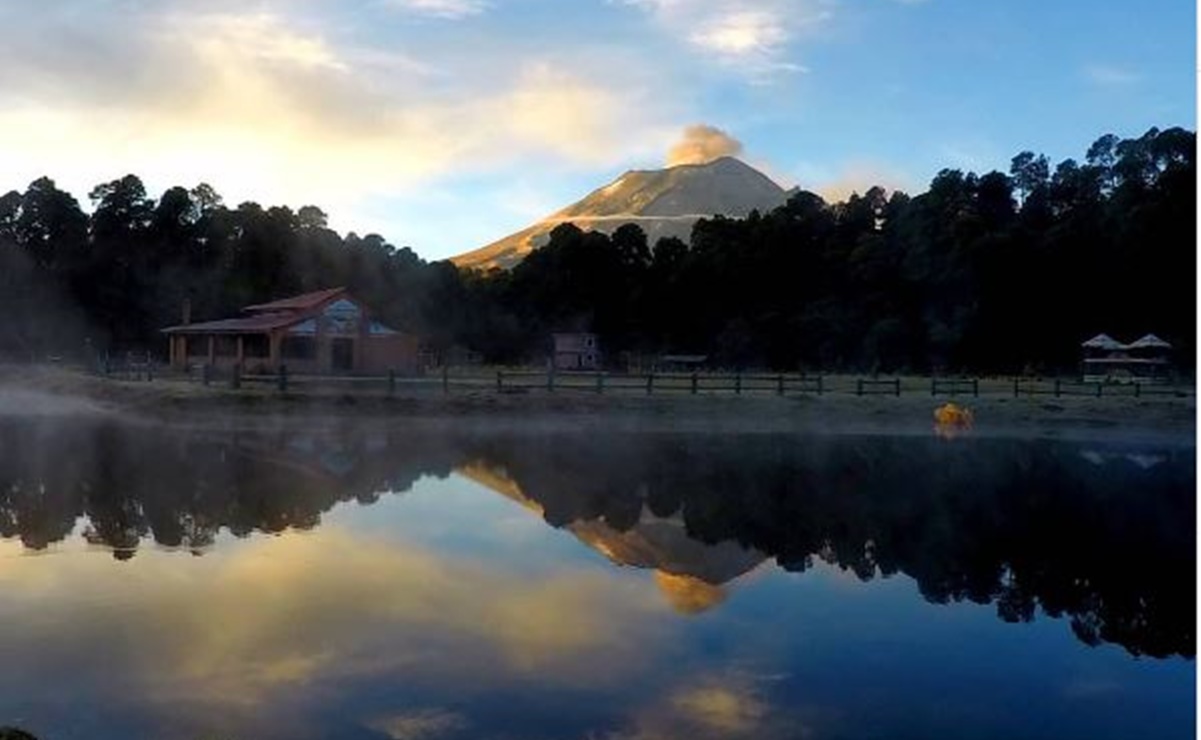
x=999, y=272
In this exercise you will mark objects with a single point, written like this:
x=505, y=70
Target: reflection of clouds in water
x=726, y=705
x=421, y=724
x=267, y=620
x=721, y=708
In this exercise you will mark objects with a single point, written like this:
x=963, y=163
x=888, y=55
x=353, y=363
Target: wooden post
x=550, y=380
x=1098, y=390
x=694, y=384
x=500, y=382
x=897, y=385
x=780, y=385
x=738, y=384
x=235, y=380
x=600, y=382
x=859, y=387
x=975, y=387
x=1057, y=389
x=283, y=378
x=149, y=368
x=206, y=371
x=445, y=380
x=820, y=390
x=650, y=383
x=933, y=387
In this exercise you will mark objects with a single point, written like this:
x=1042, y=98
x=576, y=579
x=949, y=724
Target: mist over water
x=377, y=582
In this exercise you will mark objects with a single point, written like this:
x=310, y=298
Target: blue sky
x=445, y=124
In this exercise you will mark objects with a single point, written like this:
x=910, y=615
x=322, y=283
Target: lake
x=376, y=583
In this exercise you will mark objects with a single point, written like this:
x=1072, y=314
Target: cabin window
x=255, y=345
x=298, y=348
x=225, y=346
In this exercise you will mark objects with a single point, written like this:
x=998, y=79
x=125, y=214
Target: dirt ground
x=26, y=390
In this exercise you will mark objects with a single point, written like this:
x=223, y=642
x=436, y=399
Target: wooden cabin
x=1145, y=360
x=327, y=332
x=576, y=351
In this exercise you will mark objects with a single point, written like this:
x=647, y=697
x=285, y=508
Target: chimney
x=186, y=311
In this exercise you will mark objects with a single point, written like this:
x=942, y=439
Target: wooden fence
x=692, y=383
x=1060, y=388
x=517, y=381
x=954, y=386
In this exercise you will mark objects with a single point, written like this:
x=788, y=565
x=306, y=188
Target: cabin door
x=342, y=355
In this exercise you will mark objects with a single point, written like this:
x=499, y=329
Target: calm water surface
x=383, y=584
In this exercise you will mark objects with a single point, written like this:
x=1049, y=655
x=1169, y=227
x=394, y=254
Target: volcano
x=664, y=203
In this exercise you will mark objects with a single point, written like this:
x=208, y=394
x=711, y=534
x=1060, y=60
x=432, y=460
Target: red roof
x=302, y=302
x=261, y=322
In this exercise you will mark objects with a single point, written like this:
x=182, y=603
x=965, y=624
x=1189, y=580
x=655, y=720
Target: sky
x=446, y=124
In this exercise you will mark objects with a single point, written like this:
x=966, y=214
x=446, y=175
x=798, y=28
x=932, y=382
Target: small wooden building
x=1145, y=360
x=327, y=332
x=576, y=351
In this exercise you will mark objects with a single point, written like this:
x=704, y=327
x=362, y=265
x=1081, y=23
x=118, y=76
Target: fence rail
x=954, y=386
x=519, y=381
x=651, y=383
x=873, y=386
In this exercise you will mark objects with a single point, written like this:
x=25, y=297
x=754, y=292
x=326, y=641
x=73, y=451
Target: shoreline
x=52, y=391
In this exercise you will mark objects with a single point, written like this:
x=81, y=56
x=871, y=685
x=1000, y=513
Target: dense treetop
x=995, y=271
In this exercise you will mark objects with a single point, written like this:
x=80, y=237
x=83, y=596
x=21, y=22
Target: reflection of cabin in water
x=576, y=351
x=325, y=332
x=1108, y=360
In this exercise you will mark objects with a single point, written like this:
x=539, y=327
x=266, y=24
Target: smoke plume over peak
x=701, y=144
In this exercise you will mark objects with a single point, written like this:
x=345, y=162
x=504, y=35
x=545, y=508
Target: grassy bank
x=59, y=391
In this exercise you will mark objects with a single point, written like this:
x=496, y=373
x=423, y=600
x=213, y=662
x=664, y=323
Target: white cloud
x=1110, y=76
x=756, y=38
x=856, y=176
x=449, y=9
x=741, y=33
x=277, y=110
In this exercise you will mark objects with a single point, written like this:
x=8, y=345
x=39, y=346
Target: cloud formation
x=288, y=109
x=701, y=143
x=753, y=38
x=311, y=625
x=449, y=9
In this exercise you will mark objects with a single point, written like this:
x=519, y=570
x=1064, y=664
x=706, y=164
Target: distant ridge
x=664, y=203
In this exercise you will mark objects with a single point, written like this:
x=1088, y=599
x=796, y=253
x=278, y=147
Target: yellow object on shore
x=950, y=417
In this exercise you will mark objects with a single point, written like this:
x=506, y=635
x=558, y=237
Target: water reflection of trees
x=1087, y=534
x=181, y=489
x=1100, y=539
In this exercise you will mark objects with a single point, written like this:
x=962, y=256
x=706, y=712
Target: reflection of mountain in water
x=690, y=573
x=1097, y=538
x=1024, y=526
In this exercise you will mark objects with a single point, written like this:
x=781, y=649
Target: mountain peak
x=664, y=202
